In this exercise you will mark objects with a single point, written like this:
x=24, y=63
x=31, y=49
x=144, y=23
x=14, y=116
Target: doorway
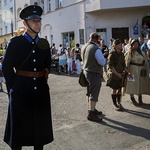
x=121, y=33
x=146, y=26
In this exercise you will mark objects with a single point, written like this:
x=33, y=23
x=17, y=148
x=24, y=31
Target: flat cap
x=31, y=12
x=94, y=35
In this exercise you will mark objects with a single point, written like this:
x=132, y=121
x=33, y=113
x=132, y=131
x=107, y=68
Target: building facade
x=70, y=22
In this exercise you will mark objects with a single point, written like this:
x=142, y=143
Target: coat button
x=33, y=51
x=34, y=78
x=35, y=88
x=34, y=60
x=34, y=69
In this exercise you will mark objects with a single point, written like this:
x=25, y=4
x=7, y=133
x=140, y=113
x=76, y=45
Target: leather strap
x=136, y=64
x=30, y=74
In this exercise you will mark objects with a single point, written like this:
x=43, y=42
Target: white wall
x=93, y=5
x=116, y=19
x=71, y=17
x=68, y=19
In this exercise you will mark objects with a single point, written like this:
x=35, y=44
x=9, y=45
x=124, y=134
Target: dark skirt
x=115, y=84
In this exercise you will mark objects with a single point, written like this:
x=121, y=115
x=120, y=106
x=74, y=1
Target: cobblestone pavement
x=128, y=130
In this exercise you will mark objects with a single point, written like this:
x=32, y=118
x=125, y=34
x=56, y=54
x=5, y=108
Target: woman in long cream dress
x=137, y=84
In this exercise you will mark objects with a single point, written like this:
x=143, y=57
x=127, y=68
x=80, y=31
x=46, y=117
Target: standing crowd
x=124, y=65
x=67, y=60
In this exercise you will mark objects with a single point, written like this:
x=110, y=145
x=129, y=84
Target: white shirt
x=148, y=44
x=64, y=54
x=100, y=58
x=127, y=47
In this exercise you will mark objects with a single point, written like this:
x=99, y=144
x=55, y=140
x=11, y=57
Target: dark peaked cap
x=31, y=12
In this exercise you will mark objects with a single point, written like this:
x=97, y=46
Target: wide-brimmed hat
x=31, y=12
x=135, y=40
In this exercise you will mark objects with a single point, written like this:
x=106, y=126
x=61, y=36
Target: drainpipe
x=14, y=15
x=85, y=32
x=12, y=30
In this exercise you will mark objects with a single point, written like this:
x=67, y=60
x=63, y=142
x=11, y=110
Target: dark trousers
x=35, y=148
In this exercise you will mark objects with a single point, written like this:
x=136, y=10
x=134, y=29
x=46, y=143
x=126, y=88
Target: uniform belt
x=136, y=64
x=30, y=74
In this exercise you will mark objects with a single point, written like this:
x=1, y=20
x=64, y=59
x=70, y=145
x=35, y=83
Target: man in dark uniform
x=25, y=66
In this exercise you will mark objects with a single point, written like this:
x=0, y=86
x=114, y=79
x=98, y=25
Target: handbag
x=82, y=80
x=109, y=78
x=1, y=73
x=80, y=59
x=74, y=66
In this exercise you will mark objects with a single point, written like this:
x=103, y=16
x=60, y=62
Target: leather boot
x=19, y=148
x=132, y=99
x=38, y=147
x=119, y=101
x=140, y=100
x=96, y=112
x=92, y=117
x=114, y=96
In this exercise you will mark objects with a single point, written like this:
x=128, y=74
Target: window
x=101, y=30
x=11, y=11
x=35, y=3
x=0, y=4
x=58, y=3
x=42, y=4
x=25, y=5
x=18, y=13
x=5, y=29
x=81, y=34
x=5, y=15
x=5, y=2
x=49, y=5
x=0, y=31
x=146, y=26
x=0, y=18
x=102, y=33
x=68, y=39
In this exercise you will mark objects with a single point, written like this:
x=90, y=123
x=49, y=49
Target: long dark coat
x=29, y=114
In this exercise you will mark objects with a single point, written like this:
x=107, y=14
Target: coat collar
x=30, y=39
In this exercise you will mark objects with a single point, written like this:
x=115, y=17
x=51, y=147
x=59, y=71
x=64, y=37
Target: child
x=2, y=80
